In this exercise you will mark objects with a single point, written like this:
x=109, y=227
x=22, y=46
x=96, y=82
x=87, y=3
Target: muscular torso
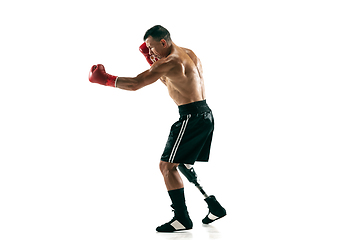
x=184, y=81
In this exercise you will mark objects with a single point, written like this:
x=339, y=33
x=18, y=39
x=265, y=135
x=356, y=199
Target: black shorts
x=190, y=137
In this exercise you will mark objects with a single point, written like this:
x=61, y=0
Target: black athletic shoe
x=181, y=221
x=216, y=211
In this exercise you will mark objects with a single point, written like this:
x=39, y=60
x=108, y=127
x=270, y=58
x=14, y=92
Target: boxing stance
x=190, y=137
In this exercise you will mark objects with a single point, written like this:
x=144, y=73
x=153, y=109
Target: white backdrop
x=80, y=160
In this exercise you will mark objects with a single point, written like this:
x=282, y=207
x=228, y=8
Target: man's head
x=158, y=41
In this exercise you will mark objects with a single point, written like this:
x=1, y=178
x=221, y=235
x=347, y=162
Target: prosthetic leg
x=216, y=211
x=188, y=171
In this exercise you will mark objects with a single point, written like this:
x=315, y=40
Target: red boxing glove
x=98, y=75
x=145, y=51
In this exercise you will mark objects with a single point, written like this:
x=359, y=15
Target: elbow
x=136, y=84
x=134, y=87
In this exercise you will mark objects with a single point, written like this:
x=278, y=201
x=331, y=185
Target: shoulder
x=190, y=53
x=166, y=64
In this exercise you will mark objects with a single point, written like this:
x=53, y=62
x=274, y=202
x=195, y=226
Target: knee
x=166, y=167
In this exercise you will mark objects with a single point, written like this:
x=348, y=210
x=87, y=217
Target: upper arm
x=145, y=78
x=157, y=70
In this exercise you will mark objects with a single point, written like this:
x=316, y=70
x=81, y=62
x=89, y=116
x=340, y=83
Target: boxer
x=190, y=137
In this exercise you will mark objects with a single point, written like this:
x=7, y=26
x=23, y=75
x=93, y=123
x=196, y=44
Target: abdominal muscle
x=188, y=95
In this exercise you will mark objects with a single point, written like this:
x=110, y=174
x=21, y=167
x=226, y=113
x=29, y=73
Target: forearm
x=98, y=75
x=127, y=83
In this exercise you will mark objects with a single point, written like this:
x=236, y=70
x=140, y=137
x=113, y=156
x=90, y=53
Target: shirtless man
x=190, y=137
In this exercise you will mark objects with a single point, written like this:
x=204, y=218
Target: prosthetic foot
x=181, y=221
x=216, y=211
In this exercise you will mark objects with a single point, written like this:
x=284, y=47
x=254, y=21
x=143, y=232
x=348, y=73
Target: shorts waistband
x=194, y=108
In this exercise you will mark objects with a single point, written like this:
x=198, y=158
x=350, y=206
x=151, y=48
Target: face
x=156, y=48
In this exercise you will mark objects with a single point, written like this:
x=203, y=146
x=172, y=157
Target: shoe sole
x=209, y=220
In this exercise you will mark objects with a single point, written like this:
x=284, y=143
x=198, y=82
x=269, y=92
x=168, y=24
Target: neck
x=170, y=49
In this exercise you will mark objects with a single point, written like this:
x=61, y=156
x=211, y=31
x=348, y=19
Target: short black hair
x=158, y=32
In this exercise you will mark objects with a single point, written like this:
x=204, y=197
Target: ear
x=163, y=42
